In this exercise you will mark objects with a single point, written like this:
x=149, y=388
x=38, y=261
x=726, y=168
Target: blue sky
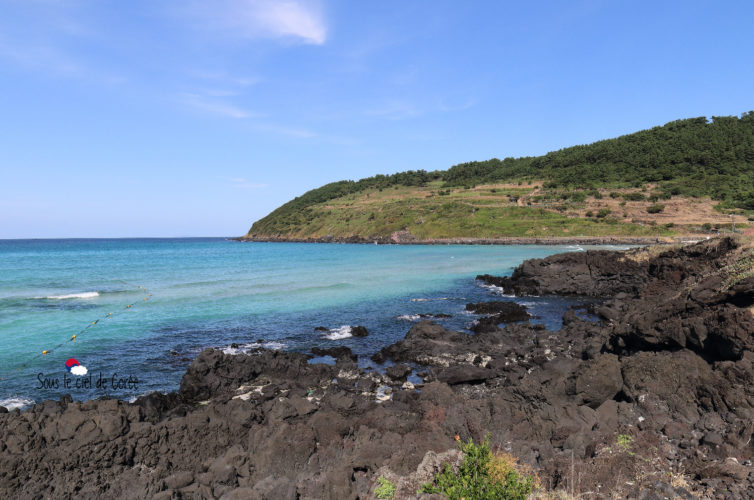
x=195, y=118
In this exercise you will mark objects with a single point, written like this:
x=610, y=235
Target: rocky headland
x=648, y=394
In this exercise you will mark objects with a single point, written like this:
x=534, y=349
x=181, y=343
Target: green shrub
x=625, y=442
x=595, y=194
x=386, y=489
x=634, y=197
x=577, y=196
x=656, y=208
x=589, y=213
x=604, y=212
x=481, y=476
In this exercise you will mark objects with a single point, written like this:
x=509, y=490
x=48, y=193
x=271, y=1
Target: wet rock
x=341, y=352
x=398, y=372
x=359, y=331
x=594, y=273
x=509, y=310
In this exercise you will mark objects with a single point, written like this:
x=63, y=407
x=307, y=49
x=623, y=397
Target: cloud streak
x=241, y=183
x=253, y=19
x=210, y=104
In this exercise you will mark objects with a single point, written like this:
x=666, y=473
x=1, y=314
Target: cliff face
x=654, y=397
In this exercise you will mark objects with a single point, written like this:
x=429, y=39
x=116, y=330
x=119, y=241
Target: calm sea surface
x=215, y=293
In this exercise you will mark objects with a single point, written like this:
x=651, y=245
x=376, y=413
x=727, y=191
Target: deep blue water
x=209, y=292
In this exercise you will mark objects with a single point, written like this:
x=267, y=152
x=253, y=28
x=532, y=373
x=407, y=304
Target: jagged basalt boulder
x=594, y=273
x=359, y=331
x=340, y=352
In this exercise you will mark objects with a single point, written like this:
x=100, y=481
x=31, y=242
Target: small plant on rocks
x=385, y=490
x=482, y=475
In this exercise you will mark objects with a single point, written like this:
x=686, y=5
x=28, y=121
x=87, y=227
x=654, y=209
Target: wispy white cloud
x=403, y=109
x=220, y=77
x=39, y=56
x=283, y=130
x=287, y=19
x=241, y=183
x=446, y=106
x=394, y=110
x=216, y=106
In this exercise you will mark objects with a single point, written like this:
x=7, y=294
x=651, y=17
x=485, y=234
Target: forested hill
x=693, y=157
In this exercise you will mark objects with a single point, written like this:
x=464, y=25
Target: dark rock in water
x=499, y=307
x=321, y=329
x=497, y=281
x=335, y=352
x=3, y=409
x=486, y=324
x=437, y=316
x=398, y=372
x=498, y=312
x=359, y=331
x=594, y=273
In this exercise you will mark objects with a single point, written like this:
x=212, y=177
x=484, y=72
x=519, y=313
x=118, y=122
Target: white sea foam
x=244, y=348
x=84, y=295
x=409, y=317
x=498, y=290
x=13, y=403
x=339, y=333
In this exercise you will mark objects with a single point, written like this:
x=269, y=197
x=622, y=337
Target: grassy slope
x=684, y=163
x=481, y=212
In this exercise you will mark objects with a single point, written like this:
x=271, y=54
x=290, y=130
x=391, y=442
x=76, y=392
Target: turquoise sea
x=210, y=292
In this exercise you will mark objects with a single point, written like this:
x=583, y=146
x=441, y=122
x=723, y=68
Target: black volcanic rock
x=359, y=331
x=594, y=273
x=662, y=384
x=498, y=312
x=398, y=372
x=335, y=352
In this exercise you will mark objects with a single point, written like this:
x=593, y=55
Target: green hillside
x=685, y=159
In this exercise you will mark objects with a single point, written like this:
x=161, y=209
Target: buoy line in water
x=45, y=352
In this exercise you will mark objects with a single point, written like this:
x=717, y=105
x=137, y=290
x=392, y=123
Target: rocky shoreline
x=650, y=397
x=405, y=238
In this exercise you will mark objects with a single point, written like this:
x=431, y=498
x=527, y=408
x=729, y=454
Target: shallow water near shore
x=210, y=292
